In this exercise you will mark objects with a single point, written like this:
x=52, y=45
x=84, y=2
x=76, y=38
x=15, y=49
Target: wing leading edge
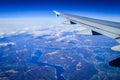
x=108, y=28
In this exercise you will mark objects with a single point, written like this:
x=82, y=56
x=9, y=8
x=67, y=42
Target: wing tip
x=57, y=13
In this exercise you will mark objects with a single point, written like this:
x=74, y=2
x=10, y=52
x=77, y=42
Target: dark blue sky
x=44, y=8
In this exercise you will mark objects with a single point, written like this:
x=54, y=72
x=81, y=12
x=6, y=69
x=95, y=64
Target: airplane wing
x=108, y=28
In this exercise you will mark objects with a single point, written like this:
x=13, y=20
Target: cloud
x=6, y=44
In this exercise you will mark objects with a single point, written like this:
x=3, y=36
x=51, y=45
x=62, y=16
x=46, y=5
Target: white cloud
x=6, y=44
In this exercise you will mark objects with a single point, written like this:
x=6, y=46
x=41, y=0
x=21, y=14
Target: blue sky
x=44, y=8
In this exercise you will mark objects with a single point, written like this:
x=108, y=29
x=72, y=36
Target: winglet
x=57, y=13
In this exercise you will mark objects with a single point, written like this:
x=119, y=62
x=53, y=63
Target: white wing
x=108, y=28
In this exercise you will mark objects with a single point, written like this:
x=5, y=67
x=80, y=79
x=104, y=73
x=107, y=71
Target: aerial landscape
x=37, y=45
